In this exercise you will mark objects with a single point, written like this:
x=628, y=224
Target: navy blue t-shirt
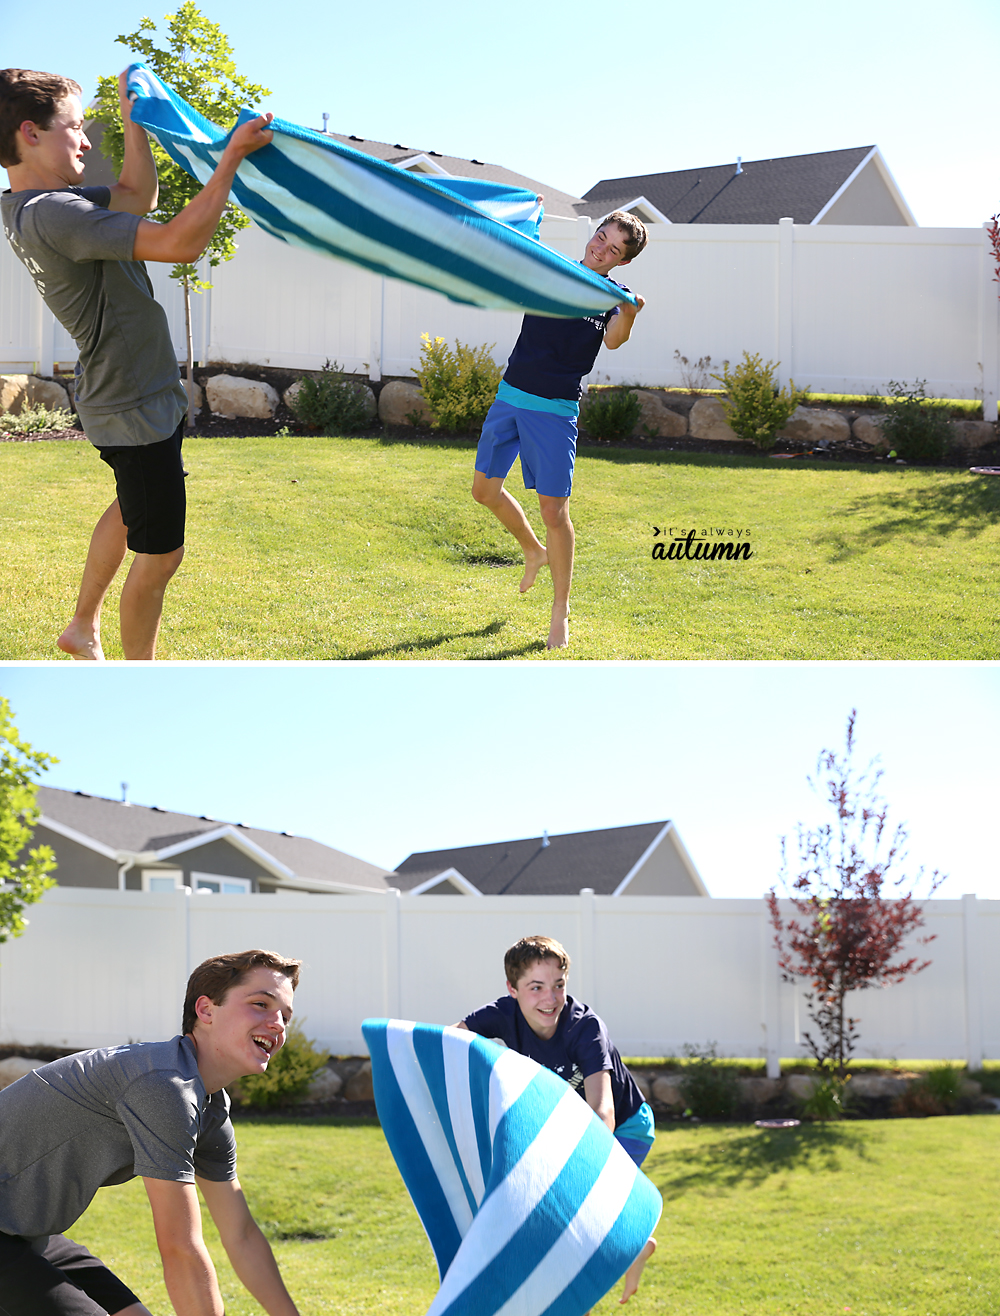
x=551, y=357
x=579, y=1047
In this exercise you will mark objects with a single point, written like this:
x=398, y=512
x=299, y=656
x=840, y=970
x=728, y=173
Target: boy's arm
x=246, y=1247
x=597, y=1090
x=621, y=326
x=138, y=187
x=187, y=1268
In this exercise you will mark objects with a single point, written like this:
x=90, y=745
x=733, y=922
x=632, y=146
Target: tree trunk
x=190, y=354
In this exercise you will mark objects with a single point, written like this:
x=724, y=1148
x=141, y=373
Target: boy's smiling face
x=60, y=148
x=541, y=994
x=606, y=249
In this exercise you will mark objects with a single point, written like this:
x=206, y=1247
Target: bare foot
x=559, y=629
x=634, y=1272
x=81, y=642
x=533, y=562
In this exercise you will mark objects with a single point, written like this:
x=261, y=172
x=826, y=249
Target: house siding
x=663, y=874
x=222, y=858
x=78, y=865
x=866, y=201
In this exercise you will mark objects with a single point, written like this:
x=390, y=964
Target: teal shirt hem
x=516, y=397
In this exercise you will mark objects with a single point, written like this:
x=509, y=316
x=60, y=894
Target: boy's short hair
x=24, y=95
x=528, y=951
x=214, y=977
x=634, y=230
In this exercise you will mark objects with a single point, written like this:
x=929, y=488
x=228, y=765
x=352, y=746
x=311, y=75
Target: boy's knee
x=555, y=512
x=158, y=568
x=484, y=491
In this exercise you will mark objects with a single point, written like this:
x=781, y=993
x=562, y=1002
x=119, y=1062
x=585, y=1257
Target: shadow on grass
x=430, y=642
x=751, y=1156
x=964, y=504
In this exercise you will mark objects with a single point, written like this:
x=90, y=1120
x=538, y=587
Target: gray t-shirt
x=79, y=254
x=103, y=1117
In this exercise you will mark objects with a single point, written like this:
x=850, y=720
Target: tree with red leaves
x=847, y=933
x=993, y=230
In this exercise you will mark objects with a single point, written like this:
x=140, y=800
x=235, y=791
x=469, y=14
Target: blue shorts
x=636, y=1135
x=546, y=441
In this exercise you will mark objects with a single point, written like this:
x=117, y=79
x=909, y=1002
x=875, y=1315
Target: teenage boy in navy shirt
x=537, y=1019
x=536, y=411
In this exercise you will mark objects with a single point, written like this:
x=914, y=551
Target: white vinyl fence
x=99, y=967
x=843, y=308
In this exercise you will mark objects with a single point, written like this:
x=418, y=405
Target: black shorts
x=64, y=1280
x=150, y=483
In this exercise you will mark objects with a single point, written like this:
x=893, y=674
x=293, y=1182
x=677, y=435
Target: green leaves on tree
x=23, y=877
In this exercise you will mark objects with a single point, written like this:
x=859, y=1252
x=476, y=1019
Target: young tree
x=848, y=933
x=199, y=66
x=993, y=230
x=22, y=880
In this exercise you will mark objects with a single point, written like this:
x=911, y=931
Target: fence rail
x=99, y=967
x=843, y=308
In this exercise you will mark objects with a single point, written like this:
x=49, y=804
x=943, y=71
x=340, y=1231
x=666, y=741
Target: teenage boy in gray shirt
x=155, y=1109
x=84, y=248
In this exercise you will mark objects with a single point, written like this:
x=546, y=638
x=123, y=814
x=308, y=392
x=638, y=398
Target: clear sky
x=569, y=93
x=384, y=759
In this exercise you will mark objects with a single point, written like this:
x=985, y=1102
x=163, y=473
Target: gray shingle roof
x=598, y=859
x=798, y=186
x=137, y=827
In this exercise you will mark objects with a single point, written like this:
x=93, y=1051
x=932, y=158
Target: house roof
x=764, y=191
x=140, y=829
x=530, y=867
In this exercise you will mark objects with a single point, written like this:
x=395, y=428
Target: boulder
x=970, y=1089
x=324, y=1086
x=19, y=391
x=756, y=1091
x=230, y=396
x=359, y=1085
x=708, y=421
x=398, y=400
x=877, y=1085
x=868, y=429
x=196, y=388
x=801, y=1086
x=973, y=433
x=815, y=425
x=644, y=1086
x=667, y=1092
x=657, y=419
x=15, y=1067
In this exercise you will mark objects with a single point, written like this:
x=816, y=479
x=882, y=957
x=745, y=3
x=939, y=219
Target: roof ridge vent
x=739, y=164
x=545, y=839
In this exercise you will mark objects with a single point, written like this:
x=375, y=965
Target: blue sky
x=382, y=759
x=569, y=93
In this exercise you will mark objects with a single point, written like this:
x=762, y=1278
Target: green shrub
x=288, y=1074
x=828, y=1101
x=710, y=1089
x=458, y=386
x=755, y=407
x=332, y=402
x=917, y=428
x=35, y=420
x=943, y=1084
x=610, y=414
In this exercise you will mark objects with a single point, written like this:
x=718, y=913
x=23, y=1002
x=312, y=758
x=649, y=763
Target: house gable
x=665, y=869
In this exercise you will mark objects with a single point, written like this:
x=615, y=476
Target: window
x=218, y=885
x=162, y=879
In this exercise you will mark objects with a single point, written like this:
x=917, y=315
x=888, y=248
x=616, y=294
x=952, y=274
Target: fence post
x=786, y=278
x=587, y=914
x=391, y=949
x=772, y=1005
x=376, y=317
x=973, y=984
x=990, y=333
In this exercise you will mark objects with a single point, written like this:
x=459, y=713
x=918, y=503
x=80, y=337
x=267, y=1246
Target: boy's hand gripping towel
x=530, y=1204
x=472, y=240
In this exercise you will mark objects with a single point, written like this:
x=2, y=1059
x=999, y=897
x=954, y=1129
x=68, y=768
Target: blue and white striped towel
x=531, y=1206
x=472, y=240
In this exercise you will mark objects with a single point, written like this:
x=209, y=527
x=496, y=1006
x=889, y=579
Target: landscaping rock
x=812, y=425
x=398, y=400
x=19, y=391
x=877, y=1085
x=359, y=1085
x=667, y=1092
x=801, y=1086
x=757, y=1091
x=973, y=433
x=230, y=396
x=868, y=429
x=199, y=394
x=657, y=420
x=708, y=421
x=644, y=1085
x=970, y=1089
x=15, y=1067
x=324, y=1086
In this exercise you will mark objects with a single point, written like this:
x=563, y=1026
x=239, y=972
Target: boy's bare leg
x=82, y=637
x=142, y=602
x=559, y=543
x=510, y=513
x=634, y=1272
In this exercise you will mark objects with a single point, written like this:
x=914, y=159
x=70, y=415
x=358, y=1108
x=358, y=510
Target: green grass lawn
x=877, y=1218
x=313, y=548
